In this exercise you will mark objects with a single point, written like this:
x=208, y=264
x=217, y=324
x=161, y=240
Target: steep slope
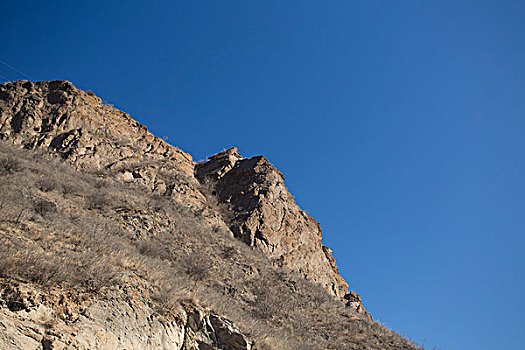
x=138, y=209
x=58, y=117
x=264, y=215
x=90, y=135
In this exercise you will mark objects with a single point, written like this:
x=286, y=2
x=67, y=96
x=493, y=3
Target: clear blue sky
x=399, y=125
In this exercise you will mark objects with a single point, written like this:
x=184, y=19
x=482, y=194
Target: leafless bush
x=165, y=300
x=9, y=165
x=208, y=188
x=98, y=274
x=43, y=207
x=196, y=266
x=153, y=248
x=12, y=207
x=68, y=188
x=97, y=201
x=46, y=185
x=267, y=305
x=98, y=174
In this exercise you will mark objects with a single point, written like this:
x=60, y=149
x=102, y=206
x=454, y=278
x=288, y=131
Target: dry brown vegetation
x=71, y=229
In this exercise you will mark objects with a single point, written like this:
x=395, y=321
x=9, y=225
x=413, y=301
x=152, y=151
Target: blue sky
x=399, y=125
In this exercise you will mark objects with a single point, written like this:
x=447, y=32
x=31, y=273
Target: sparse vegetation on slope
x=73, y=230
x=108, y=234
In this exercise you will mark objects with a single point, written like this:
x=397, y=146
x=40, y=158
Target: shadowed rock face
x=264, y=215
x=57, y=117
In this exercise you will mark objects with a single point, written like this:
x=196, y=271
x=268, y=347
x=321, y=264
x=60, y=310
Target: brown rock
x=57, y=117
x=113, y=321
x=353, y=300
x=264, y=215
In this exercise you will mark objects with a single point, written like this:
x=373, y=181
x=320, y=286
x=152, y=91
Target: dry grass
x=61, y=227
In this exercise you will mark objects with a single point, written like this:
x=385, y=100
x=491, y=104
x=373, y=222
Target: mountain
x=113, y=239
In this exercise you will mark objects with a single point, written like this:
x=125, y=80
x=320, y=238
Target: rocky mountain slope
x=111, y=238
x=29, y=323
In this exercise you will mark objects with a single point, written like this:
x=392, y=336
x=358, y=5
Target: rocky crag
x=244, y=197
x=264, y=215
x=56, y=116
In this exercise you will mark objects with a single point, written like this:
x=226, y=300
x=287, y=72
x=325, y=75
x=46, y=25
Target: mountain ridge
x=243, y=198
x=82, y=139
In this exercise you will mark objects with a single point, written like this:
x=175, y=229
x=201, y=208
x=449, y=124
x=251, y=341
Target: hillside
x=111, y=238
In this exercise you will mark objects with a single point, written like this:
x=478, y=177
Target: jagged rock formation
x=58, y=117
x=264, y=215
x=121, y=320
x=259, y=211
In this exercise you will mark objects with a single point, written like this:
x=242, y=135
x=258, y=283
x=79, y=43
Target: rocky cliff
x=88, y=134
x=225, y=196
x=264, y=215
x=58, y=117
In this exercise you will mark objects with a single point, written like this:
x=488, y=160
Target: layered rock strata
x=58, y=319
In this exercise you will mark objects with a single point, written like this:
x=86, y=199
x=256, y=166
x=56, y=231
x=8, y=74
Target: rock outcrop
x=58, y=319
x=57, y=117
x=264, y=215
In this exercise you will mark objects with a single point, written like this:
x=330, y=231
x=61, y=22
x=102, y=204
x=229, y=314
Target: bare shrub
x=13, y=206
x=153, y=248
x=266, y=305
x=165, y=300
x=196, y=266
x=98, y=274
x=68, y=188
x=208, y=188
x=9, y=165
x=43, y=207
x=97, y=201
x=46, y=185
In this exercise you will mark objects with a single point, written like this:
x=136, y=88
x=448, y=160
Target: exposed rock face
x=353, y=300
x=57, y=117
x=265, y=215
x=32, y=319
